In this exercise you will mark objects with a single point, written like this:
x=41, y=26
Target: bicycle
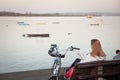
x=53, y=51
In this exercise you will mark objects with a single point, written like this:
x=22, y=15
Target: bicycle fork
x=56, y=70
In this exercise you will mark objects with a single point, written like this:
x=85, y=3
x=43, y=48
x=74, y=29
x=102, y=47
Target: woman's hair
x=96, y=48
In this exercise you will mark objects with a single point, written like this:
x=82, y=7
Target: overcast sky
x=48, y=6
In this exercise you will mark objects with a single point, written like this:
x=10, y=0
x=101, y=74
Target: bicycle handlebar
x=54, y=50
x=72, y=48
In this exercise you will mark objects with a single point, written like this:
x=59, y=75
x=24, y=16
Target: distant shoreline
x=77, y=14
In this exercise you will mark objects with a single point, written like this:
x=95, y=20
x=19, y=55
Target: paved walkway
x=27, y=75
x=43, y=74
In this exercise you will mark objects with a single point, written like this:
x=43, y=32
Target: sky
x=58, y=6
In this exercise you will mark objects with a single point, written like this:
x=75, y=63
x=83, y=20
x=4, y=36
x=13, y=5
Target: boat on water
x=23, y=24
x=94, y=24
x=36, y=35
x=89, y=16
x=55, y=22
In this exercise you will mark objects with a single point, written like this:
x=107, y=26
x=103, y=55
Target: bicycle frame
x=55, y=72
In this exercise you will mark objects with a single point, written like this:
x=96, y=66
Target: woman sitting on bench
x=95, y=55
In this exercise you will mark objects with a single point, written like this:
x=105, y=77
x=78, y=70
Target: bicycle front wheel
x=56, y=69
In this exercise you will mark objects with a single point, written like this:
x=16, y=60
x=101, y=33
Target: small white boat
x=23, y=24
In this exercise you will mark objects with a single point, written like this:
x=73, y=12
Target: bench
x=97, y=70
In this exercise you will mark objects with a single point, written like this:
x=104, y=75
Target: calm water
x=18, y=53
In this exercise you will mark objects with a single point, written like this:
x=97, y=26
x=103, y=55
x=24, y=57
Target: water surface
x=19, y=53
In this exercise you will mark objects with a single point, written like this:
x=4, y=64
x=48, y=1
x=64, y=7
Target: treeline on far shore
x=4, y=13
